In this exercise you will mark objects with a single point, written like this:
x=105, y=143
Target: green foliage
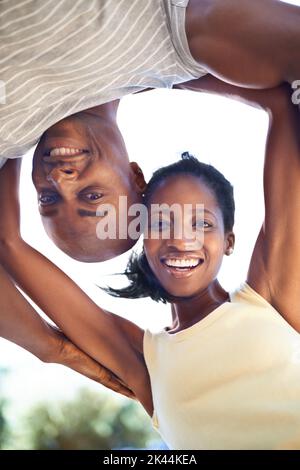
x=4, y=428
x=90, y=421
x=3, y=424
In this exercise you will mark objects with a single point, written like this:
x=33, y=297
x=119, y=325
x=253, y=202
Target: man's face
x=80, y=163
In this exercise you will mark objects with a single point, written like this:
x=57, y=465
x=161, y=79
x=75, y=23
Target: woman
x=241, y=401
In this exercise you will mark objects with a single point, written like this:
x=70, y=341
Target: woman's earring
x=229, y=251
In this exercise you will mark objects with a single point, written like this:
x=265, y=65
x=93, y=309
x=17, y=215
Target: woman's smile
x=181, y=266
x=186, y=250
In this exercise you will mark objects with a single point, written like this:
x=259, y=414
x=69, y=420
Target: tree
x=4, y=431
x=3, y=424
x=90, y=421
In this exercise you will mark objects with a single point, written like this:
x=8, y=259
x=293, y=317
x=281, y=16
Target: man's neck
x=106, y=111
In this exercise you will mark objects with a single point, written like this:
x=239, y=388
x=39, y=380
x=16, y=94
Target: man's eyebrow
x=49, y=213
x=85, y=213
x=80, y=212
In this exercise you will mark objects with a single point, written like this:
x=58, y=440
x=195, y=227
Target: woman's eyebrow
x=167, y=211
x=207, y=211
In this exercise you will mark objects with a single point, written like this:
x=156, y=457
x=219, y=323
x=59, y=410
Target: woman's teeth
x=182, y=263
x=62, y=151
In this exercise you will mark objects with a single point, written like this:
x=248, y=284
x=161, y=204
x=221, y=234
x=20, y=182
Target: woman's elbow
x=9, y=246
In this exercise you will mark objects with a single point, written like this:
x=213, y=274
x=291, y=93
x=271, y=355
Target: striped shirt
x=59, y=57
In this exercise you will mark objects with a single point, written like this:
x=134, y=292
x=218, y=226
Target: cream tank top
x=231, y=381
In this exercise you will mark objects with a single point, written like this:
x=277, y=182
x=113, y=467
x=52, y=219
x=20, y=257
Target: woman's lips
x=181, y=271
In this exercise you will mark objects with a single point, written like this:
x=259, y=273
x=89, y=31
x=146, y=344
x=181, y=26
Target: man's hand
x=67, y=354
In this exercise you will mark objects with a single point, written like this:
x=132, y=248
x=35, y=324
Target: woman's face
x=185, y=263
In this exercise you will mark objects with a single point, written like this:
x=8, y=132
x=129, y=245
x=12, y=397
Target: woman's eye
x=92, y=196
x=201, y=224
x=48, y=199
x=159, y=225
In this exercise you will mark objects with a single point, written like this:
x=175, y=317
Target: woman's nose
x=184, y=238
x=185, y=244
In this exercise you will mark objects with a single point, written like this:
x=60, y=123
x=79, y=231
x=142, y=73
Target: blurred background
x=50, y=407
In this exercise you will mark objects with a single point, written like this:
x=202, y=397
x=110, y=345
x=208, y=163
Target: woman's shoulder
x=244, y=293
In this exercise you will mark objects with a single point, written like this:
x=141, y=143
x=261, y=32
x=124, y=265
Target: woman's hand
x=64, y=352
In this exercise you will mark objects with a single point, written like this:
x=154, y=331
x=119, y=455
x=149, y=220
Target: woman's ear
x=229, y=243
x=138, y=176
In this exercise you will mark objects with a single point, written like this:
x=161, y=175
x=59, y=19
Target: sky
x=157, y=126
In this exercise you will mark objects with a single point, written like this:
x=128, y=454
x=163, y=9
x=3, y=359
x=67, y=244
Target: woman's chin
x=182, y=294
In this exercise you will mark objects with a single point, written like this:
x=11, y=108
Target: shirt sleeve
x=2, y=162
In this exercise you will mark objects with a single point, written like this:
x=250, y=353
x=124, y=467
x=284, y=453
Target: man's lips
x=69, y=159
x=65, y=151
x=64, y=147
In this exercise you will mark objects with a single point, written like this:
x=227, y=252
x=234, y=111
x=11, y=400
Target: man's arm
x=250, y=43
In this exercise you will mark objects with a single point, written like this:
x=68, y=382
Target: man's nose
x=61, y=173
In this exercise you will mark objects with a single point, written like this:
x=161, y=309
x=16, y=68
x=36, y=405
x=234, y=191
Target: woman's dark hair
x=143, y=282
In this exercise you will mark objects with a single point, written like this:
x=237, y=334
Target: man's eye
x=91, y=197
x=47, y=199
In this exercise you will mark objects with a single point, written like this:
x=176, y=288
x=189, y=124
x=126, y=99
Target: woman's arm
x=274, y=270
x=110, y=340
x=20, y=324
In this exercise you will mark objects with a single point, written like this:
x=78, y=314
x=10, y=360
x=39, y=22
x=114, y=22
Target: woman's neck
x=187, y=312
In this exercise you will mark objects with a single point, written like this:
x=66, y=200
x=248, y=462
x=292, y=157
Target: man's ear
x=138, y=176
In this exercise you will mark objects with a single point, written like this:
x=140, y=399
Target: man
x=79, y=163
x=65, y=66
